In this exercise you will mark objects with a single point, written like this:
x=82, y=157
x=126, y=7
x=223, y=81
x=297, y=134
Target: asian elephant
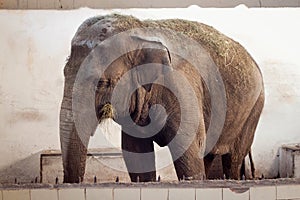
x=177, y=83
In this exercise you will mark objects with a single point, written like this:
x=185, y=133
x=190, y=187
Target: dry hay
x=204, y=34
x=106, y=112
x=228, y=54
x=210, y=38
x=224, y=51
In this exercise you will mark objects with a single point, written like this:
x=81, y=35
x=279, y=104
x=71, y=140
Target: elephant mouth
x=106, y=112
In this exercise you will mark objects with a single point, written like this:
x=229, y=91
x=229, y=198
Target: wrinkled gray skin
x=244, y=106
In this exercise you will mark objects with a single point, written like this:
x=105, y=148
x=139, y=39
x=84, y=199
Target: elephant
x=200, y=99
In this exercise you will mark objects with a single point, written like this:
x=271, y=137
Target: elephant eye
x=102, y=83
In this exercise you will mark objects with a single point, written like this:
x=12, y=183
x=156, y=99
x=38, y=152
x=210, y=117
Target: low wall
x=212, y=190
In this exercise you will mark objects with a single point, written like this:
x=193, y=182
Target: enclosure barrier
x=276, y=189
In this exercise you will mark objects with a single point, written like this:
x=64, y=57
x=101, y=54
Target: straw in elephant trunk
x=106, y=111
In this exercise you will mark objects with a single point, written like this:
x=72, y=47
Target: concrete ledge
x=282, y=189
x=280, y=192
x=107, y=4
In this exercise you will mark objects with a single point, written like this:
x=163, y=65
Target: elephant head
x=135, y=64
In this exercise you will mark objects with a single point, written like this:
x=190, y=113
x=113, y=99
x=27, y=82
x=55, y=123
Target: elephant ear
x=156, y=56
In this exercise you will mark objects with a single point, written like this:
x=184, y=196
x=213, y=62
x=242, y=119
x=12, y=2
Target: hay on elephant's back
x=228, y=55
x=224, y=51
x=204, y=34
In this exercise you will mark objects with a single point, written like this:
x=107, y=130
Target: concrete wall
x=107, y=4
x=34, y=46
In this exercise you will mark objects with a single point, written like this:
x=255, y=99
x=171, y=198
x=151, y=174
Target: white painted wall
x=34, y=46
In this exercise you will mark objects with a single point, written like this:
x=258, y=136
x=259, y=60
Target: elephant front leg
x=139, y=158
x=190, y=165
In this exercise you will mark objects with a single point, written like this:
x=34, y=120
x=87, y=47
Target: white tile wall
x=281, y=192
x=263, y=193
x=209, y=194
x=182, y=193
x=127, y=194
x=32, y=4
x=68, y=4
x=288, y=192
x=44, y=194
x=10, y=4
x=154, y=193
x=71, y=194
x=23, y=4
x=42, y=4
x=99, y=194
x=228, y=194
x=16, y=195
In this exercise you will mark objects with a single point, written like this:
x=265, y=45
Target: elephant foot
x=143, y=177
x=68, y=179
x=190, y=168
x=232, y=167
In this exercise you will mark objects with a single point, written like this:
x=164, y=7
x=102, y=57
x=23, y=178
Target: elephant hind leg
x=208, y=160
x=226, y=164
x=243, y=143
x=74, y=164
x=232, y=166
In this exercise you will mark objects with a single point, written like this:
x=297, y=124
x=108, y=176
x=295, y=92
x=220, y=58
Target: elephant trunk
x=73, y=150
x=73, y=147
x=66, y=126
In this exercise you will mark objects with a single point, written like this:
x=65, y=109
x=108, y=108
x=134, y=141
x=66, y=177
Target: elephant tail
x=252, y=168
x=252, y=164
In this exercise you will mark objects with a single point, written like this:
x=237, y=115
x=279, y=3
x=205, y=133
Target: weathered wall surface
x=35, y=44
